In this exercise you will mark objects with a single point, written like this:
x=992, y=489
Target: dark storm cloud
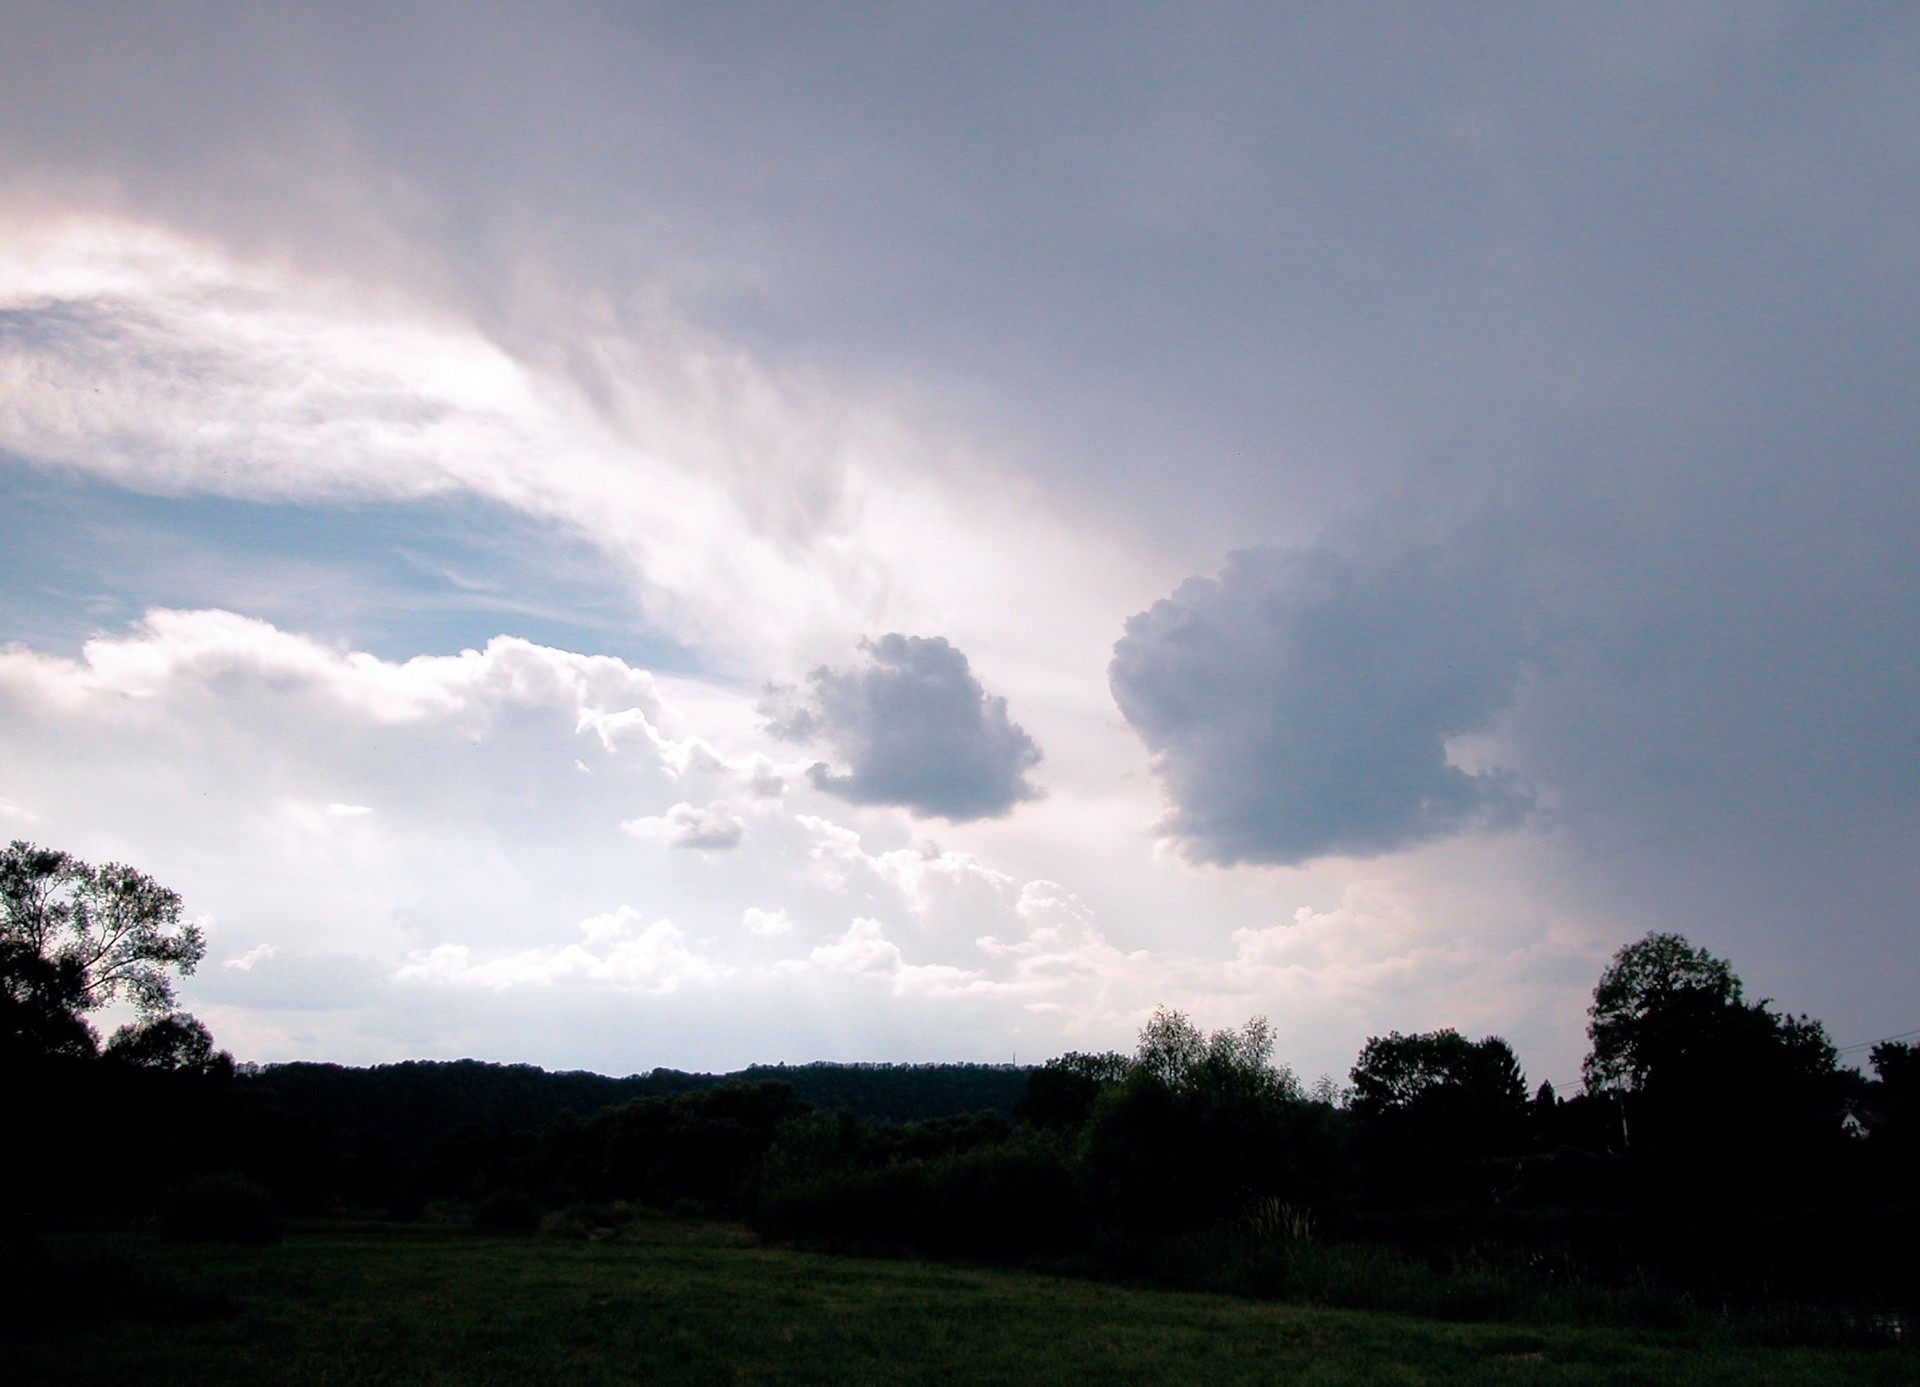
x=1300, y=704
x=916, y=729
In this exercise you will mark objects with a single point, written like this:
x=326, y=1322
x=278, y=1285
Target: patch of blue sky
x=80, y=557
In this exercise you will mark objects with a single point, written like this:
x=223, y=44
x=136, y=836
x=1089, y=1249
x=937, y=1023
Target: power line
x=1577, y=1087
x=1883, y=1040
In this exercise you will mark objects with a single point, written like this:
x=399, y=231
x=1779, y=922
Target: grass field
x=672, y=1302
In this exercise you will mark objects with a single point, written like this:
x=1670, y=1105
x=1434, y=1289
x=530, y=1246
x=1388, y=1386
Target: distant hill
x=413, y=1102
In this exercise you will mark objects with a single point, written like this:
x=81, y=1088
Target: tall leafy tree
x=1435, y=1110
x=75, y=937
x=1890, y=1111
x=1655, y=995
x=1201, y=1123
x=1709, y=1082
x=1061, y=1092
x=1397, y=1071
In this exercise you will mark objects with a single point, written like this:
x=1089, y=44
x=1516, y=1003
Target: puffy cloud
x=170, y=653
x=865, y=950
x=444, y=921
x=768, y=924
x=245, y=962
x=764, y=780
x=713, y=829
x=916, y=730
x=1301, y=704
x=326, y=799
x=923, y=881
x=616, y=950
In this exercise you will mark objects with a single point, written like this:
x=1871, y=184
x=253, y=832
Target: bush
x=587, y=1221
x=222, y=1208
x=1016, y=1198
x=506, y=1211
x=405, y=1202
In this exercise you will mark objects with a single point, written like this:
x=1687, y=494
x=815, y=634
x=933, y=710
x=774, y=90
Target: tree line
x=1718, y=1148
x=411, y=1103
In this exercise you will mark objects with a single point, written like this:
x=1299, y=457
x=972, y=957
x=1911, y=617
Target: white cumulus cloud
x=712, y=829
x=767, y=924
x=617, y=950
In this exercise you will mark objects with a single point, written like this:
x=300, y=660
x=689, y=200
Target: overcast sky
x=624, y=535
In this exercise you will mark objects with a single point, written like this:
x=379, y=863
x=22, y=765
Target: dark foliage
x=1435, y=1113
x=41, y=1004
x=896, y=1092
x=1013, y=1197
x=1889, y=1111
x=1200, y=1127
x=505, y=1211
x=1727, y=1100
x=174, y=1041
x=1061, y=1093
x=412, y=1104
x=696, y=1147
x=223, y=1207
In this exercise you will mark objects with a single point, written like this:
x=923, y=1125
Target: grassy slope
x=685, y=1303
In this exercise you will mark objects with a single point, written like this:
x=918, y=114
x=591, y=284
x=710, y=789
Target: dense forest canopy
x=413, y=1102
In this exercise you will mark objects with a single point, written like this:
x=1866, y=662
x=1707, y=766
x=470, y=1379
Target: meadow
x=668, y=1301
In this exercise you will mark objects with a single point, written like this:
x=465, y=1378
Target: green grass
x=670, y=1302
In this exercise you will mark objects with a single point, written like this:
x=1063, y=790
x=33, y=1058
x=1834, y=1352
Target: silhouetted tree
x=41, y=1001
x=1434, y=1109
x=173, y=1041
x=1397, y=1071
x=1654, y=996
x=1890, y=1111
x=1061, y=1092
x=73, y=938
x=691, y=1146
x=1201, y=1124
x=1712, y=1088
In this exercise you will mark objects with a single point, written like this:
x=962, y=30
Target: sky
x=618, y=535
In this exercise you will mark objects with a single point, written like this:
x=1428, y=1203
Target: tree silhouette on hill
x=75, y=937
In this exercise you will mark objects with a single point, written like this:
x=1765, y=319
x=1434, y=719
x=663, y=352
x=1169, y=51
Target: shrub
x=405, y=1202
x=586, y=1221
x=505, y=1211
x=1011, y=1199
x=222, y=1208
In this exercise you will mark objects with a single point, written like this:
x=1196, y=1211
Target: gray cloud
x=1300, y=704
x=916, y=729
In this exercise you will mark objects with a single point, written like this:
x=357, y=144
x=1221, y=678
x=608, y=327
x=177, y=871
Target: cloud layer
x=1547, y=374
x=428, y=857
